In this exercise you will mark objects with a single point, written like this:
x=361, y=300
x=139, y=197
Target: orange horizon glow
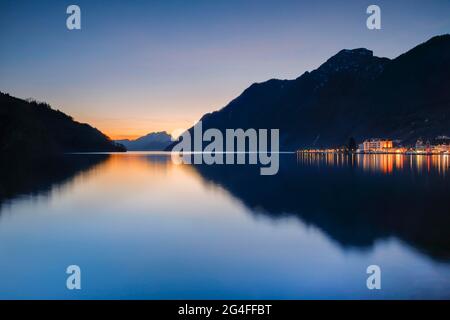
x=118, y=130
x=123, y=136
x=135, y=134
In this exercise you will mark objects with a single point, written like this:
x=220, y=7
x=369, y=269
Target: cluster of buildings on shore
x=386, y=146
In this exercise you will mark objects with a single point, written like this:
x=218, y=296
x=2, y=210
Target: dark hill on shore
x=353, y=94
x=33, y=128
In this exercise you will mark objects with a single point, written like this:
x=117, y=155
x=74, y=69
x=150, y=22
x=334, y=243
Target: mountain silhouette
x=30, y=127
x=155, y=141
x=353, y=94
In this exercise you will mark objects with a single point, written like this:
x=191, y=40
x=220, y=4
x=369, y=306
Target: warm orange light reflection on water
x=383, y=163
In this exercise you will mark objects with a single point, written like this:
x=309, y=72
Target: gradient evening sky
x=142, y=66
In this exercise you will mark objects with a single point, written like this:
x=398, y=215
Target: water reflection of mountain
x=355, y=201
x=25, y=176
x=351, y=204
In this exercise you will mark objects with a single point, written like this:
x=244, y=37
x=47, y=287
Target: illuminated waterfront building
x=376, y=145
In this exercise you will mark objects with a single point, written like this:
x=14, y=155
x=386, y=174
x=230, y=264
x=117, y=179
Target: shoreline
x=409, y=153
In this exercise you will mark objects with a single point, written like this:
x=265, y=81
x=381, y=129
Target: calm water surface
x=142, y=227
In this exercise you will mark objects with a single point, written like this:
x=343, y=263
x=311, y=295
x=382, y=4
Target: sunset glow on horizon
x=161, y=65
x=225, y=158
x=119, y=130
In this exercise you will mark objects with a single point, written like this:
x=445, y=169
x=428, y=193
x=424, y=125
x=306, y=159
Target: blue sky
x=140, y=66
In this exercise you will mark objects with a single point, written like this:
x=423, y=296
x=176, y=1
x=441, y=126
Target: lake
x=142, y=227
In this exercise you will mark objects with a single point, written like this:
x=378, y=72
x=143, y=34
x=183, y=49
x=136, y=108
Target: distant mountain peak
x=153, y=141
x=353, y=94
x=350, y=60
x=353, y=52
x=156, y=136
x=359, y=62
x=346, y=56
